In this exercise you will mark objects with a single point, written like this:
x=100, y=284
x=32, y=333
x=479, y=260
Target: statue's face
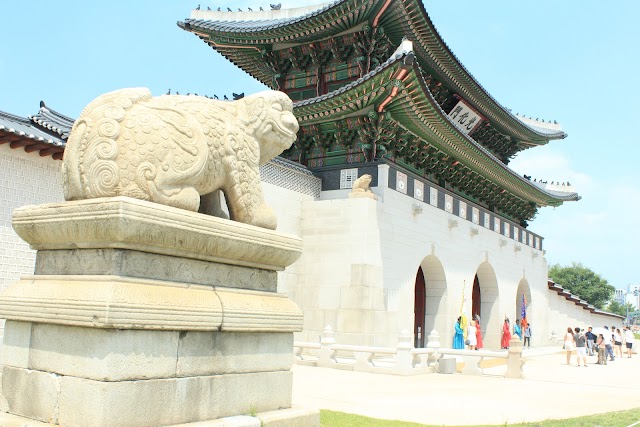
x=277, y=130
x=280, y=125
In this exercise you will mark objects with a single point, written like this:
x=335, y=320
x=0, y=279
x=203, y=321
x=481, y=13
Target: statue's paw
x=183, y=198
x=265, y=218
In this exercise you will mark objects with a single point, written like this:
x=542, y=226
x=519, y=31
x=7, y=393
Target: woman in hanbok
x=458, y=338
x=478, y=333
x=506, y=334
x=517, y=330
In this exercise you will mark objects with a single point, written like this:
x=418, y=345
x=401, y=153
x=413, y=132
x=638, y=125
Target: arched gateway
x=484, y=303
x=523, y=289
x=430, y=286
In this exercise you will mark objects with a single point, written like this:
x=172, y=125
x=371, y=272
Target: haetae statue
x=360, y=188
x=179, y=151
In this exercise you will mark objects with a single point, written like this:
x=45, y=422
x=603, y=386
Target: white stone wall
x=288, y=205
x=361, y=258
x=25, y=179
x=564, y=313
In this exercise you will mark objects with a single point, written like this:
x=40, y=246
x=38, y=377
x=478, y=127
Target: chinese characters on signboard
x=464, y=117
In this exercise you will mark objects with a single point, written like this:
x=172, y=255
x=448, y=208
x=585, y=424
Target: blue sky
x=576, y=63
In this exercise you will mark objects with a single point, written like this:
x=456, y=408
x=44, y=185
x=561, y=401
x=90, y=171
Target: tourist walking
x=607, y=343
x=479, y=344
x=569, y=344
x=602, y=355
x=458, y=338
x=581, y=346
x=527, y=336
x=516, y=329
x=591, y=339
x=472, y=340
x=629, y=339
x=506, y=333
x=617, y=341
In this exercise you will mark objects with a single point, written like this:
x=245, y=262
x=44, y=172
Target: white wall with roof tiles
x=25, y=179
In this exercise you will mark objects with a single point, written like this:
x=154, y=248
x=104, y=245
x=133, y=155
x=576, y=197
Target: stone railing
x=400, y=360
x=406, y=360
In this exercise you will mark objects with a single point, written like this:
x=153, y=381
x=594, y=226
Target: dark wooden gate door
x=418, y=311
x=476, y=299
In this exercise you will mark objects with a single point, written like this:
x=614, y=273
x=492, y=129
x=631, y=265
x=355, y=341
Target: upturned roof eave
x=443, y=61
x=53, y=121
x=531, y=192
x=528, y=191
x=454, y=73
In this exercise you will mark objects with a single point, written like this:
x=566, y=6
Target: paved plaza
x=551, y=390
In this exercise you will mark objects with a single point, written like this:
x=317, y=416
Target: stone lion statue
x=360, y=188
x=180, y=151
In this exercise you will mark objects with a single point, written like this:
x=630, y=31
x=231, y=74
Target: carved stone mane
x=179, y=151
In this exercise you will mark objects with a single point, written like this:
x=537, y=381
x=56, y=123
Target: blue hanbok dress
x=517, y=331
x=458, y=338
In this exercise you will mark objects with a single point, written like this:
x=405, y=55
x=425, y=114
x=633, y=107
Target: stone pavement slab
x=551, y=390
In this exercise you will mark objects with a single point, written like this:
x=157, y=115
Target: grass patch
x=610, y=419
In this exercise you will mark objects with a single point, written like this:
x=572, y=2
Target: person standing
x=569, y=344
x=602, y=355
x=607, y=344
x=581, y=346
x=591, y=339
x=629, y=339
x=516, y=329
x=506, y=334
x=617, y=341
x=471, y=335
x=479, y=344
x=458, y=338
x=527, y=336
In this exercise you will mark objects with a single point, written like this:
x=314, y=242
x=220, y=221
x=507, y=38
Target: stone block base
x=85, y=377
x=77, y=402
x=144, y=315
x=292, y=417
x=129, y=355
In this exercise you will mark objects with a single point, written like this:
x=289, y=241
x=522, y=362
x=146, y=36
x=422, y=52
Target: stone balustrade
x=406, y=360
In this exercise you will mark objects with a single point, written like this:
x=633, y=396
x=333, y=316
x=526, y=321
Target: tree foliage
x=582, y=281
x=617, y=308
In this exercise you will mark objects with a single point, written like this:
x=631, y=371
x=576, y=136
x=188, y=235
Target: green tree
x=617, y=308
x=582, y=281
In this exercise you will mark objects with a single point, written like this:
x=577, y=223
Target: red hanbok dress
x=478, y=335
x=506, y=335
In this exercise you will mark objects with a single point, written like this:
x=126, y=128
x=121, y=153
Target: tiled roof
x=253, y=25
x=404, y=18
x=45, y=132
x=54, y=121
x=405, y=57
x=553, y=286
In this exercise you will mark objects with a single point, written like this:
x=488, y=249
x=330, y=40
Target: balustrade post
x=515, y=362
x=325, y=357
x=433, y=341
x=404, y=358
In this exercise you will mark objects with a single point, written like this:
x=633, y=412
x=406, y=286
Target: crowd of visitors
x=606, y=344
x=472, y=332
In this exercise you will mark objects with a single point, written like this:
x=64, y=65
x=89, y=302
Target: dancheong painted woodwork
x=372, y=80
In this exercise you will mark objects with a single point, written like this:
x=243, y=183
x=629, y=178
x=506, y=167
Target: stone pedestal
x=141, y=315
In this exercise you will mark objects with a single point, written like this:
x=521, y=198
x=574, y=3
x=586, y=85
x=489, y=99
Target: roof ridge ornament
x=406, y=46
